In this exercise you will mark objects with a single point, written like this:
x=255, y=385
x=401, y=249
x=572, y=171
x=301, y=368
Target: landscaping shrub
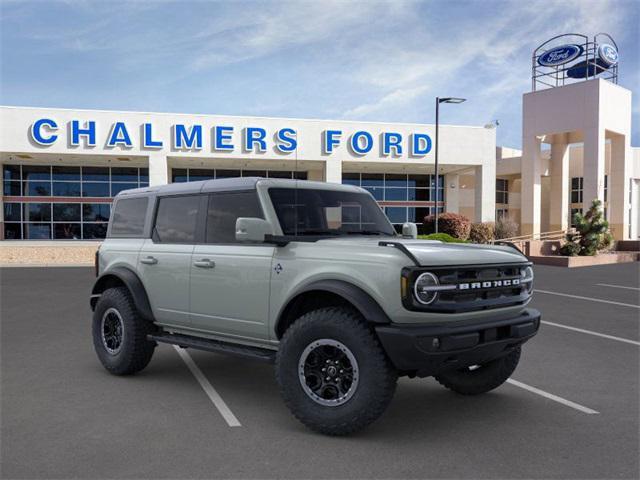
x=484, y=232
x=443, y=237
x=505, y=228
x=453, y=224
x=592, y=233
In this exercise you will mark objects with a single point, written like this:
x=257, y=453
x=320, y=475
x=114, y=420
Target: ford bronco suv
x=312, y=277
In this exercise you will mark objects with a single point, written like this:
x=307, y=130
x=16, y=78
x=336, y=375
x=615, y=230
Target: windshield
x=328, y=212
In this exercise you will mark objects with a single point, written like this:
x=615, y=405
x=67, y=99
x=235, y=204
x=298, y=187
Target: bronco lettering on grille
x=510, y=282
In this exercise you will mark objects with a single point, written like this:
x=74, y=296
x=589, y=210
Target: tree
x=592, y=233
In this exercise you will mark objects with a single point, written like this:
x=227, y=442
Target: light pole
x=438, y=102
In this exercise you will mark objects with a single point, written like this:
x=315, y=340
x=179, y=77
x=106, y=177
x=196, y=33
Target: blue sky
x=374, y=61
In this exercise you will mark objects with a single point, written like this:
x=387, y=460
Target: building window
x=502, y=213
x=576, y=190
x=502, y=191
x=195, y=174
x=402, y=188
x=573, y=212
x=606, y=187
x=69, y=211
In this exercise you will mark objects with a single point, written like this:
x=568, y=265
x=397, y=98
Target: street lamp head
x=451, y=100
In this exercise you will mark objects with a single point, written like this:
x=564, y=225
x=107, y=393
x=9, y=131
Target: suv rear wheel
x=332, y=372
x=120, y=334
x=481, y=378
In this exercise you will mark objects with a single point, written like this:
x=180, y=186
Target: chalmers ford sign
x=221, y=138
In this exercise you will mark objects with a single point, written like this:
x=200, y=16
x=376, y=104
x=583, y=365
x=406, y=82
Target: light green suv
x=313, y=277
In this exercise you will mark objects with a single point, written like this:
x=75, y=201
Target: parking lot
x=571, y=410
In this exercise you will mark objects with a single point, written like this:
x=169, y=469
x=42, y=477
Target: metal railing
x=552, y=235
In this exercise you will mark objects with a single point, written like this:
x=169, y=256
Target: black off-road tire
x=377, y=378
x=135, y=351
x=483, y=379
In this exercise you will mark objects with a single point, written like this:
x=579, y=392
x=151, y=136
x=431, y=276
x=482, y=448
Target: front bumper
x=427, y=350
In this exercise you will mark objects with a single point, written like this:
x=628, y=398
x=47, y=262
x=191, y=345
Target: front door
x=230, y=280
x=165, y=259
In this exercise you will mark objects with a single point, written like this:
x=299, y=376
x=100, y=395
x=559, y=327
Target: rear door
x=165, y=259
x=230, y=280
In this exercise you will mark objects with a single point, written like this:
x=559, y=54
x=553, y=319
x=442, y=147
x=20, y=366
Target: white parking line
x=555, y=398
x=588, y=298
x=590, y=332
x=213, y=395
x=616, y=286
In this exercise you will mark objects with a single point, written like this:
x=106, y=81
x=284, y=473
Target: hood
x=436, y=253
x=439, y=253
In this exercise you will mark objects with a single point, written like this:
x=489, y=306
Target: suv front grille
x=474, y=287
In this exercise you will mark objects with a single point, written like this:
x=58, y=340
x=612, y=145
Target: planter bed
x=602, y=259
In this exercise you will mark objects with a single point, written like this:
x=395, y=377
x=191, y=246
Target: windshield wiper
x=317, y=232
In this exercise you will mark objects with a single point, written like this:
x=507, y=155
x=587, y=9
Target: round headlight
x=526, y=275
x=425, y=288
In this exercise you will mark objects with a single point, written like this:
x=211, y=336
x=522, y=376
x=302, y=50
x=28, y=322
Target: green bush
x=453, y=224
x=506, y=228
x=443, y=237
x=592, y=233
x=482, y=232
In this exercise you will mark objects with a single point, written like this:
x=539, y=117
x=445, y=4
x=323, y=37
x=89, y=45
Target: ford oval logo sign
x=560, y=55
x=608, y=54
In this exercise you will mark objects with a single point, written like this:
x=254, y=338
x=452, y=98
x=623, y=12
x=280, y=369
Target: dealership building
x=62, y=167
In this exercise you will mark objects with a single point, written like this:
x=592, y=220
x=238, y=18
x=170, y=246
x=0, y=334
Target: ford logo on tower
x=560, y=55
x=608, y=54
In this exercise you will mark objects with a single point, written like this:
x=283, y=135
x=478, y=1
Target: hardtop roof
x=230, y=184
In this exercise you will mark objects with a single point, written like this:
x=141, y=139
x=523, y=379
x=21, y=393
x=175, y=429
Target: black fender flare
x=131, y=280
x=361, y=300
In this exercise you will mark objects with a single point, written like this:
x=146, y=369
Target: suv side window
x=176, y=219
x=128, y=217
x=223, y=211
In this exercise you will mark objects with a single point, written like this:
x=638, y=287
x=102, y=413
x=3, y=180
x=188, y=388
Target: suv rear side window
x=224, y=209
x=128, y=217
x=176, y=219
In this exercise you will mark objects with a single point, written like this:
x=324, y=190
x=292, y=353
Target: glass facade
x=404, y=197
x=75, y=203
x=195, y=174
x=502, y=190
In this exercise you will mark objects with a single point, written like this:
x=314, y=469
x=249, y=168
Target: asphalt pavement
x=572, y=410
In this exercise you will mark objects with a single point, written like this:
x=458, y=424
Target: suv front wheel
x=120, y=334
x=332, y=372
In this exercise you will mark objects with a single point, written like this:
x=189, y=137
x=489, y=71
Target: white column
x=158, y=169
x=618, y=188
x=593, y=167
x=333, y=170
x=485, y=192
x=452, y=192
x=559, y=205
x=531, y=188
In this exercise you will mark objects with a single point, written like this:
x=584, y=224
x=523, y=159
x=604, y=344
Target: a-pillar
x=559, y=206
x=452, y=195
x=158, y=169
x=531, y=186
x=333, y=170
x=485, y=192
x=593, y=167
x=618, y=188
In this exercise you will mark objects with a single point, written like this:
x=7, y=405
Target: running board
x=210, y=345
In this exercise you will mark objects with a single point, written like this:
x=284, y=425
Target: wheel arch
x=123, y=277
x=325, y=293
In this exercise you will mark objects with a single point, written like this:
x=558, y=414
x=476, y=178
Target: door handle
x=204, y=263
x=149, y=260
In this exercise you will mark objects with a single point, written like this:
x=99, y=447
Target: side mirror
x=409, y=230
x=251, y=229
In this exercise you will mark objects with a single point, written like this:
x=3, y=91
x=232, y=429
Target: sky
x=344, y=60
